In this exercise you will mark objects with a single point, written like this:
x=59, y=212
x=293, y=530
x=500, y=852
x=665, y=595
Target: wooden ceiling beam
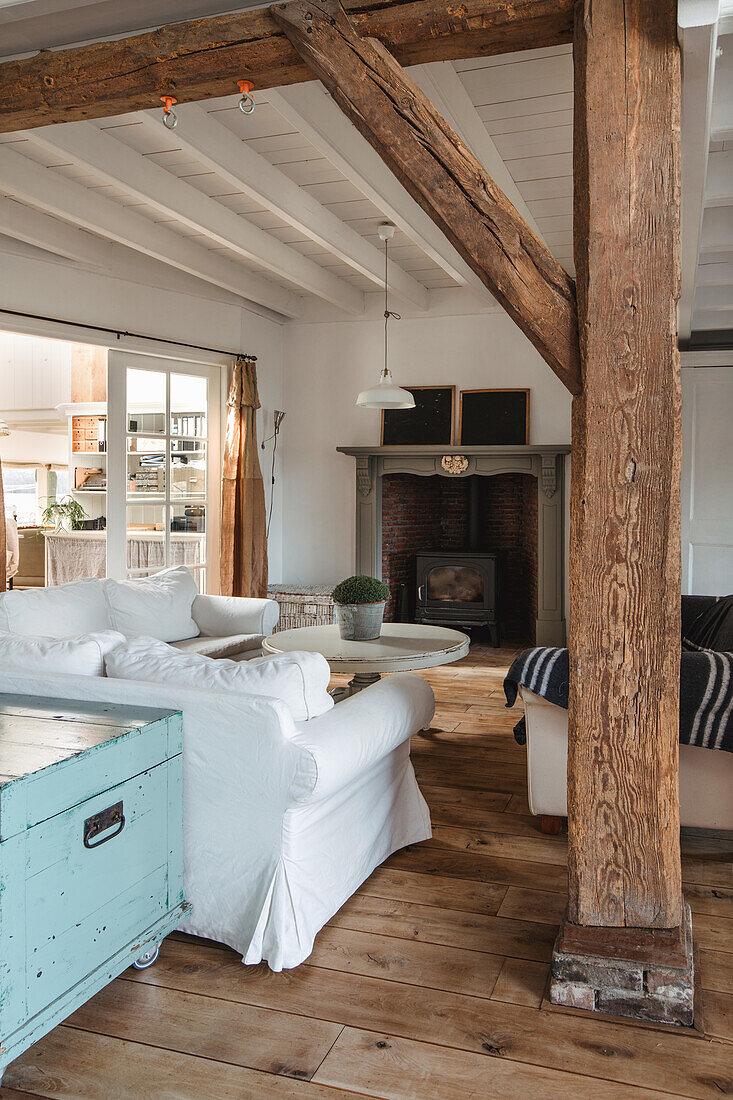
x=443, y=176
x=203, y=58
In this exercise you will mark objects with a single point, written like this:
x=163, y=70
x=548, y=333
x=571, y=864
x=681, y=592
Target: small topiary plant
x=360, y=589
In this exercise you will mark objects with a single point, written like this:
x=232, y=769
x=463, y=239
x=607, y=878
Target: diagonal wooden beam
x=203, y=58
x=443, y=176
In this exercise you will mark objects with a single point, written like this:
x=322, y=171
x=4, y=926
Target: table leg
x=360, y=681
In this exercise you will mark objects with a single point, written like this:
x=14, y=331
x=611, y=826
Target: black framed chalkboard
x=493, y=418
x=431, y=421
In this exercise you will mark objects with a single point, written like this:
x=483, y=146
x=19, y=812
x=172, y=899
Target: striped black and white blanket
x=706, y=691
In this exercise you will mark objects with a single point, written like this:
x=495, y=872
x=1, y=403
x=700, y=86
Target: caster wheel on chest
x=147, y=958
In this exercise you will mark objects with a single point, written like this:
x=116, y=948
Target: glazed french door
x=163, y=480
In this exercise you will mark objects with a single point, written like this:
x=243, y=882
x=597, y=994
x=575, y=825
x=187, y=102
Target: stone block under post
x=643, y=973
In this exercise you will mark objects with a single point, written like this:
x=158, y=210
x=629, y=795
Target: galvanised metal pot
x=360, y=622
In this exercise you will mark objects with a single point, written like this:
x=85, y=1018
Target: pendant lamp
x=386, y=395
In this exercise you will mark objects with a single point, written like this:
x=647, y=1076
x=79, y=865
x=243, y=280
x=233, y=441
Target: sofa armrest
x=360, y=731
x=223, y=616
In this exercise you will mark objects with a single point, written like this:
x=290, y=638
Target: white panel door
x=164, y=467
x=707, y=480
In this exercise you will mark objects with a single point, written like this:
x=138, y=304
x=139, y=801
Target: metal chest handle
x=99, y=823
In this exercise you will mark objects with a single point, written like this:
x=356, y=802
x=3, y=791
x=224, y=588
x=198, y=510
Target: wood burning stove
x=458, y=588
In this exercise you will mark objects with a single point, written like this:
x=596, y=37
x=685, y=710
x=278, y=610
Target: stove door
x=464, y=585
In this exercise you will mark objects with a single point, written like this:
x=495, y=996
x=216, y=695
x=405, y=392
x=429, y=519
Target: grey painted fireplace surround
x=546, y=464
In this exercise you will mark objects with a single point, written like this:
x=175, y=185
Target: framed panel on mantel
x=430, y=422
x=493, y=418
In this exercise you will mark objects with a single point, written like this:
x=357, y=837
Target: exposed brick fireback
x=432, y=513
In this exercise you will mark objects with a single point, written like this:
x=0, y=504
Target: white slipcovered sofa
x=171, y=610
x=289, y=803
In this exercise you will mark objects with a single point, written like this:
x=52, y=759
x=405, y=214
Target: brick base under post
x=646, y=974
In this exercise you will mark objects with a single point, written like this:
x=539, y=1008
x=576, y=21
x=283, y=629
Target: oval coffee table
x=401, y=647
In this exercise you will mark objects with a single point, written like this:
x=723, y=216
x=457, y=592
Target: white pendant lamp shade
x=386, y=395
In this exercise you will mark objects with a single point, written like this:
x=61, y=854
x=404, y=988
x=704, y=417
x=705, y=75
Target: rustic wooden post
x=625, y=891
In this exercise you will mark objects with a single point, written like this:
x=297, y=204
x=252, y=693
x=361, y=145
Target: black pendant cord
x=387, y=311
x=119, y=334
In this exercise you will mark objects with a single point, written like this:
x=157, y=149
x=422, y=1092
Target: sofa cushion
x=300, y=680
x=158, y=606
x=57, y=612
x=82, y=655
x=236, y=646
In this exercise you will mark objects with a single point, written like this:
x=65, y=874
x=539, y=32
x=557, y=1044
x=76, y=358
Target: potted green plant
x=66, y=513
x=360, y=603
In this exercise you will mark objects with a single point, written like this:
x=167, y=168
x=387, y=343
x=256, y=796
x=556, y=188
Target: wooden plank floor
x=426, y=985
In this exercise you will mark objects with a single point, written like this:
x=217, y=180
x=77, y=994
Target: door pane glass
x=145, y=538
x=188, y=534
x=456, y=583
x=188, y=469
x=146, y=401
x=188, y=405
x=145, y=467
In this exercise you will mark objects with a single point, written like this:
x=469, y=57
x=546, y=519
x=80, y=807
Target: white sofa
x=283, y=819
x=706, y=776
x=215, y=626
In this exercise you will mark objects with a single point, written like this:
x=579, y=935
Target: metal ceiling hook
x=170, y=118
x=246, y=103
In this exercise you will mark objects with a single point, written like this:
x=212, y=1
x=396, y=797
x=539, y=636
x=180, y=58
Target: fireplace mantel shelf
x=432, y=450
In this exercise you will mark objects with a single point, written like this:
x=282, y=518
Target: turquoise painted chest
x=91, y=853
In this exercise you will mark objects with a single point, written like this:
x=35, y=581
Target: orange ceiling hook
x=170, y=118
x=246, y=103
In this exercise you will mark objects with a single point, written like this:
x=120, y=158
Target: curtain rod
x=119, y=333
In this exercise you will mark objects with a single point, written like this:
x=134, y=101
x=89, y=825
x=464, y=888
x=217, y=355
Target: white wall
x=35, y=373
x=326, y=365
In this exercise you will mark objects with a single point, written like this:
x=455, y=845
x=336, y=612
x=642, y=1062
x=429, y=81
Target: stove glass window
x=455, y=584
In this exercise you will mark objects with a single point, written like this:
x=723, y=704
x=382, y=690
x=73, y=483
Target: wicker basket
x=303, y=604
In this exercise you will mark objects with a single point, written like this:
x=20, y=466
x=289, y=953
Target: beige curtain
x=243, y=522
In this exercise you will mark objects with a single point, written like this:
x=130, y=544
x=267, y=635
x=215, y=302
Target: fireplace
x=457, y=588
x=421, y=500
x=462, y=520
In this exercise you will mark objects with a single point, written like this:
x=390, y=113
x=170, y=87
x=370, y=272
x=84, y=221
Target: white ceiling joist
x=717, y=231
x=140, y=177
x=24, y=223
x=312, y=112
x=47, y=190
x=713, y=298
x=443, y=87
x=201, y=134
x=715, y=274
x=719, y=191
